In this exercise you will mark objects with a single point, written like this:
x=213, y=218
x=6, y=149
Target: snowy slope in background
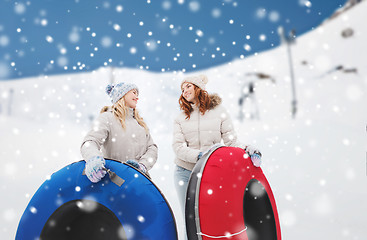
x=315, y=163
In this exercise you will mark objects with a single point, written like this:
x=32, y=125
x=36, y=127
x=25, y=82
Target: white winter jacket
x=200, y=132
x=109, y=140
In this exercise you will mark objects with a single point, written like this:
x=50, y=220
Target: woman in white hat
x=119, y=133
x=202, y=123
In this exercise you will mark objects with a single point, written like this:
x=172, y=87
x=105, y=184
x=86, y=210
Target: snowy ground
x=315, y=163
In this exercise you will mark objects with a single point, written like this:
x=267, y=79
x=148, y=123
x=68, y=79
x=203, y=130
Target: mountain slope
x=315, y=162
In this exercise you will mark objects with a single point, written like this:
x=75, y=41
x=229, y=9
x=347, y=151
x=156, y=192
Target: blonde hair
x=120, y=110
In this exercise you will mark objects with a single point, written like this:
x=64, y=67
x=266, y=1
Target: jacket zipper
x=199, y=129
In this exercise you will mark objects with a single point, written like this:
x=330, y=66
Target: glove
x=256, y=159
x=137, y=165
x=254, y=154
x=94, y=168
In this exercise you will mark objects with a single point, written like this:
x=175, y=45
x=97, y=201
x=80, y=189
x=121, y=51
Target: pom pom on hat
x=200, y=81
x=109, y=88
x=117, y=91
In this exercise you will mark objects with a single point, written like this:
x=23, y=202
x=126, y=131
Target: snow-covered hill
x=316, y=163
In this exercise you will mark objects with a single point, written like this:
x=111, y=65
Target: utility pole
x=289, y=40
x=10, y=102
x=112, y=75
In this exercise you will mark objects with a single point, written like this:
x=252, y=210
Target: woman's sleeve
x=149, y=158
x=182, y=151
x=95, y=138
x=229, y=135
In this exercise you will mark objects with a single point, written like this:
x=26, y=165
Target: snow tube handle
x=116, y=179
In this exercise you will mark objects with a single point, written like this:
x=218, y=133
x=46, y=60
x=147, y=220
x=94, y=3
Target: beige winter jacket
x=200, y=132
x=109, y=140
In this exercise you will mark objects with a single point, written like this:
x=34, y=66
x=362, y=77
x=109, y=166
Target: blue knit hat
x=117, y=91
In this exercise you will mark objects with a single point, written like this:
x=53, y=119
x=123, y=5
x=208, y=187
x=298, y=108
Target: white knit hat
x=200, y=81
x=117, y=91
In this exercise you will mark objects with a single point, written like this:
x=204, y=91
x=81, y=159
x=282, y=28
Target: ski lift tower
x=289, y=40
x=112, y=75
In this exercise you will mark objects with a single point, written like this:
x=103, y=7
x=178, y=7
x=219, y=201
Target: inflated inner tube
x=69, y=206
x=228, y=197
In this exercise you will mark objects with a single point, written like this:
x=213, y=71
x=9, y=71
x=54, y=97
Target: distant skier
x=248, y=98
x=120, y=134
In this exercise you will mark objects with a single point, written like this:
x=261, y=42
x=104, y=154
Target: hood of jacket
x=109, y=109
x=215, y=100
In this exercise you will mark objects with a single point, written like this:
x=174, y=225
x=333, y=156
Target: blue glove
x=94, y=168
x=255, y=155
x=137, y=165
x=256, y=159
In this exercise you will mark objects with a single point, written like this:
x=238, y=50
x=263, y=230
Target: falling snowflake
x=33, y=210
x=216, y=13
x=262, y=37
x=274, y=16
x=49, y=39
x=166, y=5
x=141, y=218
x=261, y=13
x=106, y=42
x=4, y=41
x=133, y=50
x=194, y=6
x=117, y=27
x=19, y=8
x=74, y=36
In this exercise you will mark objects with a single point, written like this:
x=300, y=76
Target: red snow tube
x=228, y=197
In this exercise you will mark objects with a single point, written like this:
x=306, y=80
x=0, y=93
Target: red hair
x=202, y=98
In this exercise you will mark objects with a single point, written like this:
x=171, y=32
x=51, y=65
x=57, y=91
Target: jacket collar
x=131, y=112
x=215, y=101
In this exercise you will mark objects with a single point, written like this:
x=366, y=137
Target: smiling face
x=131, y=98
x=188, y=92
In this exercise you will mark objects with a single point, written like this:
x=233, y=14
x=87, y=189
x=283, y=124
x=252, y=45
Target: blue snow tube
x=68, y=206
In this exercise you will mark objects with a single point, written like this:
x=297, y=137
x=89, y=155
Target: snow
x=4, y=40
x=19, y=8
x=316, y=163
x=274, y=16
x=216, y=13
x=194, y=6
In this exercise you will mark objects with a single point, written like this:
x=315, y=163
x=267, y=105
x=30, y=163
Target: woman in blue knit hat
x=119, y=133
